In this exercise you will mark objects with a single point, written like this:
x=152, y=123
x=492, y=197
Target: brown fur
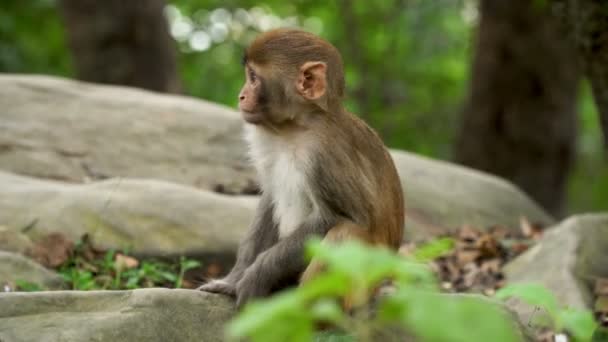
x=323, y=171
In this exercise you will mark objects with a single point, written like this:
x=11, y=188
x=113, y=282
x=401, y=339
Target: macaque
x=322, y=171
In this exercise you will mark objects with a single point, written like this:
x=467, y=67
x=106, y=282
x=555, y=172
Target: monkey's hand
x=219, y=286
x=250, y=286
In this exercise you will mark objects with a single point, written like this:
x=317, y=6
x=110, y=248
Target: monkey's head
x=289, y=73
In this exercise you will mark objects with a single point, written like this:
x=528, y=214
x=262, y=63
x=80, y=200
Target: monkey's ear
x=312, y=81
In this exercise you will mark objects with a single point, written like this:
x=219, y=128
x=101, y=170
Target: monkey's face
x=252, y=98
x=281, y=97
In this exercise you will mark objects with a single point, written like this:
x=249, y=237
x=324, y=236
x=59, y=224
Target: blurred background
x=491, y=85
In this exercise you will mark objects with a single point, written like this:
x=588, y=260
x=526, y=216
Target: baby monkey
x=323, y=172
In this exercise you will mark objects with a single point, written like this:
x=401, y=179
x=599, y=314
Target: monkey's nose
x=242, y=97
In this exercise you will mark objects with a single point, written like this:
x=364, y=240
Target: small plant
x=78, y=279
x=580, y=324
x=91, y=269
x=354, y=271
x=27, y=286
x=184, y=266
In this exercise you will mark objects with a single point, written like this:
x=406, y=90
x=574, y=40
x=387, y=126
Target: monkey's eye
x=252, y=76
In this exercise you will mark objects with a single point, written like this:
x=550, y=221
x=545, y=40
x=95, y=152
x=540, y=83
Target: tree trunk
x=587, y=24
x=123, y=42
x=519, y=120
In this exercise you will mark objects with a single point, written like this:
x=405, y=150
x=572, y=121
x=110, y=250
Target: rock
x=566, y=261
x=15, y=268
x=74, y=131
x=441, y=196
x=14, y=241
x=100, y=131
x=148, y=217
x=138, y=315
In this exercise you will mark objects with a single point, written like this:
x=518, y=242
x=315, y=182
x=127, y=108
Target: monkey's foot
x=219, y=286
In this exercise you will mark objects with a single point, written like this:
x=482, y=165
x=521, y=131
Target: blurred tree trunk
x=123, y=42
x=587, y=24
x=519, y=120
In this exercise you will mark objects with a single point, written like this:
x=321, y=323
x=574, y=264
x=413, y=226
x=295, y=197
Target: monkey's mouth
x=252, y=117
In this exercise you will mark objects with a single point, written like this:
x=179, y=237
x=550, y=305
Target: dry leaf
x=464, y=257
x=491, y=266
x=213, y=270
x=124, y=262
x=52, y=250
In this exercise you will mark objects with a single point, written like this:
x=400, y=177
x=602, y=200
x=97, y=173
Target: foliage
x=588, y=185
x=406, y=64
x=27, y=286
x=32, y=38
x=406, y=75
x=415, y=307
x=116, y=271
x=579, y=323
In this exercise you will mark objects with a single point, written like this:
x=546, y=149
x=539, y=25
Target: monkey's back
x=358, y=159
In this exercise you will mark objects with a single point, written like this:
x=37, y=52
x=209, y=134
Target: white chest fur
x=282, y=164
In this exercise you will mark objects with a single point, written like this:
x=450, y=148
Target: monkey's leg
x=284, y=260
x=346, y=230
x=261, y=236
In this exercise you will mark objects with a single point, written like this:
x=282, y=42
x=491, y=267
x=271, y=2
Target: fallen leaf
x=530, y=230
x=52, y=250
x=213, y=270
x=124, y=262
x=464, y=257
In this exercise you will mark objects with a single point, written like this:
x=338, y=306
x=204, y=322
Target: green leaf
x=437, y=317
x=433, y=249
x=328, y=310
x=350, y=258
x=189, y=264
x=108, y=260
x=28, y=286
x=333, y=336
x=168, y=276
x=533, y=294
x=600, y=334
x=281, y=318
x=580, y=324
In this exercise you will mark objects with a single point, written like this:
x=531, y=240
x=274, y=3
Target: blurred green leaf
x=27, y=286
x=438, y=317
x=581, y=324
x=433, y=249
x=533, y=294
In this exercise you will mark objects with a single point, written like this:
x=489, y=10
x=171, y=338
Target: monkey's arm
x=262, y=234
x=284, y=260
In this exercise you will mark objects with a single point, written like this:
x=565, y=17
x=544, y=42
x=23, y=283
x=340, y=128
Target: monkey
x=322, y=171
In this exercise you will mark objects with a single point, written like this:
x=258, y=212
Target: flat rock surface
x=148, y=217
x=441, y=196
x=138, y=315
x=16, y=267
x=68, y=130
x=75, y=132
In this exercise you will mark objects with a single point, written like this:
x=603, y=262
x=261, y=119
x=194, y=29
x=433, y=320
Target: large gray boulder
x=67, y=130
x=148, y=217
x=441, y=196
x=566, y=261
x=13, y=240
x=15, y=268
x=138, y=315
x=74, y=131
